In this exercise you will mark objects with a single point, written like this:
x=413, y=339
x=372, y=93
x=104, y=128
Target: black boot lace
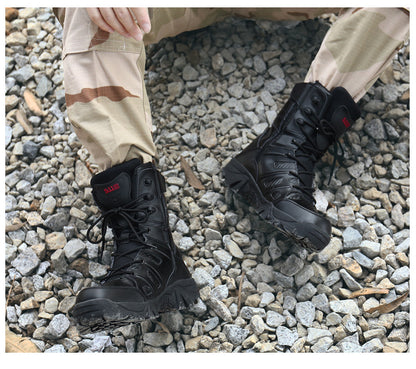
x=310, y=151
x=322, y=127
x=135, y=213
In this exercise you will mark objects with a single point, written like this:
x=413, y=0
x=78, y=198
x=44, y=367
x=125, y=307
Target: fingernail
x=146, y=27
x=138, y=36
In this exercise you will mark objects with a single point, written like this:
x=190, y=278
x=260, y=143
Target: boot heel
x=235, y=178
x=240, y=181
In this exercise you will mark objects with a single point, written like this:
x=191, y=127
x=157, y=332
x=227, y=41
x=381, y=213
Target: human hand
x=128, y=22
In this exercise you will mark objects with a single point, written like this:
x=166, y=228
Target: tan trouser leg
x=106, y=98
x=358, y=47
x=110, y=112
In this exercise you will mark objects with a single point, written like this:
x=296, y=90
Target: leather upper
x=283, y=157
x=145, y=257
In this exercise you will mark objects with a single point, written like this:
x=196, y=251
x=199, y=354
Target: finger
x=142, y=17
x=97, y=19
x=110, y=17
x=126, y=19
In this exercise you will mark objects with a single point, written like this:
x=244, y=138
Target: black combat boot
x=147, y=276
x=275, y=172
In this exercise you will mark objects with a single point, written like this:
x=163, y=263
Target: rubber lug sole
x=311, y=235
x=104, y=314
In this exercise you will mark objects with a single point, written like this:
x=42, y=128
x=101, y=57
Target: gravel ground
x=212, y=91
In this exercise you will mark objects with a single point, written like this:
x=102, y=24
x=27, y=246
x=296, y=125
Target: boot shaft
x=132, y=186
x=313, y=111
x=131, y=198
x=283, y=157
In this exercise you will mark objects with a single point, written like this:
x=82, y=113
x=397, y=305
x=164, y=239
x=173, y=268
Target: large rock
x=26, y=262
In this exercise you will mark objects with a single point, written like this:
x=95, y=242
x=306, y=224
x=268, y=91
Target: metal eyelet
x=315, y=100
x=147, y=289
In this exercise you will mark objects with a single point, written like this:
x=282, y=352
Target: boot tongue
x=341, y=114
x=114, y=193
x=343, y=111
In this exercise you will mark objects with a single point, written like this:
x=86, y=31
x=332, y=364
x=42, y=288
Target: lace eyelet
x=147, y=289
x=147, y=181
x=315, y=100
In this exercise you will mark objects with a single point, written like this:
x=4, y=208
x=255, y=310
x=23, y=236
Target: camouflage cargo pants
x=106, y=97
